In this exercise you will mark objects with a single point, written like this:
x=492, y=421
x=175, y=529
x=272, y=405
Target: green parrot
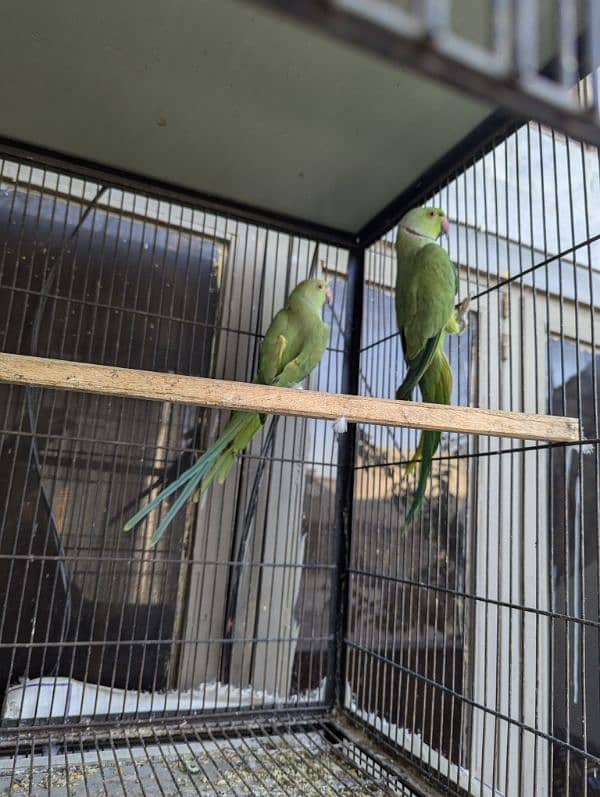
x=293, y=346
x=426, y=286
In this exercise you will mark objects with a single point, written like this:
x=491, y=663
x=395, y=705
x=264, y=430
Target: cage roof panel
x=227, y=100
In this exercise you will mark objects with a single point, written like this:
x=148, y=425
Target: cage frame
x=480, y=141
x=334, y=718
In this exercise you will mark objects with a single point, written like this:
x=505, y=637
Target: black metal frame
x=119, y=178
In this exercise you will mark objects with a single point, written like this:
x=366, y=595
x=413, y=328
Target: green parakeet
x=293, y=346
x=426, y=286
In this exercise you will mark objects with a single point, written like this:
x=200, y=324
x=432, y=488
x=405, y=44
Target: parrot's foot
x=340, y=426
x=401, y=395
x=462, y=310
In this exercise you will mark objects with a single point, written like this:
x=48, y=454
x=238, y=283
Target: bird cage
x=168, y=174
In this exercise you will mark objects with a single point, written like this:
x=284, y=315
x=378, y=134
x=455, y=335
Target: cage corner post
x=344, y=493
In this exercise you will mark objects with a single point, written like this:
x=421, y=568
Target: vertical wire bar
x=565, y=515
x=522, y=177
x=585, y=159
x=549, y=653
x=579, y=595
x=456, y=705
x=498, y=725
x=536, y=408
x=485, y=715
x=515, y=624
x=336, y=666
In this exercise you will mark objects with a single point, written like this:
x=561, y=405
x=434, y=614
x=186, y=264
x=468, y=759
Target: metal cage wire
x=162, y=314
x=286, y=637
x=473, y=642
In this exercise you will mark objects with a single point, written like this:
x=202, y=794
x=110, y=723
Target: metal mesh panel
x=283, y=758
x=473, y=639
x=95, y=622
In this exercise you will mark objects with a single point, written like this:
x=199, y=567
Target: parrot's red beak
x=329, y=296
x=445, y=226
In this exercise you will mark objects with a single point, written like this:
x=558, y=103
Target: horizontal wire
x=149, y=642
x=497, y=285
x=145, y=558
x=486, y=600
x=592, y=441
x=498, y=715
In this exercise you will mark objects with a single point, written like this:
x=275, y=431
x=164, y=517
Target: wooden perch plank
x=106, y=380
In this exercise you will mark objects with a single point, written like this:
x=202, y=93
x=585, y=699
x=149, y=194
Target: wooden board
x=106, y=380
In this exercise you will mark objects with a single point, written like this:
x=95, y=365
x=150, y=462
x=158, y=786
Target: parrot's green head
x=313, y=293
x=425, y=222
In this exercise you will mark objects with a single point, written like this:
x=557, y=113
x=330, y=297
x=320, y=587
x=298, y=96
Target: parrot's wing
x=432, y=289
x=314, y=343
x=417, y=367
x=273, y=348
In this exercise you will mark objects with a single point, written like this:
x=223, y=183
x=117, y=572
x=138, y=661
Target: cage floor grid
x=245, y=759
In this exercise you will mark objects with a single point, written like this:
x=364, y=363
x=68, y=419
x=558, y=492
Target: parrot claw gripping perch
x=462, y=314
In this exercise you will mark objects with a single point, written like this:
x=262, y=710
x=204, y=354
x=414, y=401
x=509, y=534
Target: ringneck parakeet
x=426, y=286
x=293, y=345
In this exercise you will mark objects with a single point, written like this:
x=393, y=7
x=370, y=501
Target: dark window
x=124, y=291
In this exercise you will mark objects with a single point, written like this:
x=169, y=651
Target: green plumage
x=292, y=347
x=426, y=286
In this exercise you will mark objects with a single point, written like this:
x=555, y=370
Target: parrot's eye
x=432, y=213
x=320, y=286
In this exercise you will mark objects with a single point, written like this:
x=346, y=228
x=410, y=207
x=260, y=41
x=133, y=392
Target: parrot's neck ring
x=418, y=234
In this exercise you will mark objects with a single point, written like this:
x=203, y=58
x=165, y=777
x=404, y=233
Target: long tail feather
x=177, y=505
x=190, y=473
x=416, y=368
x=428, y=444
x=195, y=473
x=416, y=457
x=224, y=463
x=436, y=387
x=219, y=470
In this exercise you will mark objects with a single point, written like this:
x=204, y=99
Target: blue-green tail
x=216, y=461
